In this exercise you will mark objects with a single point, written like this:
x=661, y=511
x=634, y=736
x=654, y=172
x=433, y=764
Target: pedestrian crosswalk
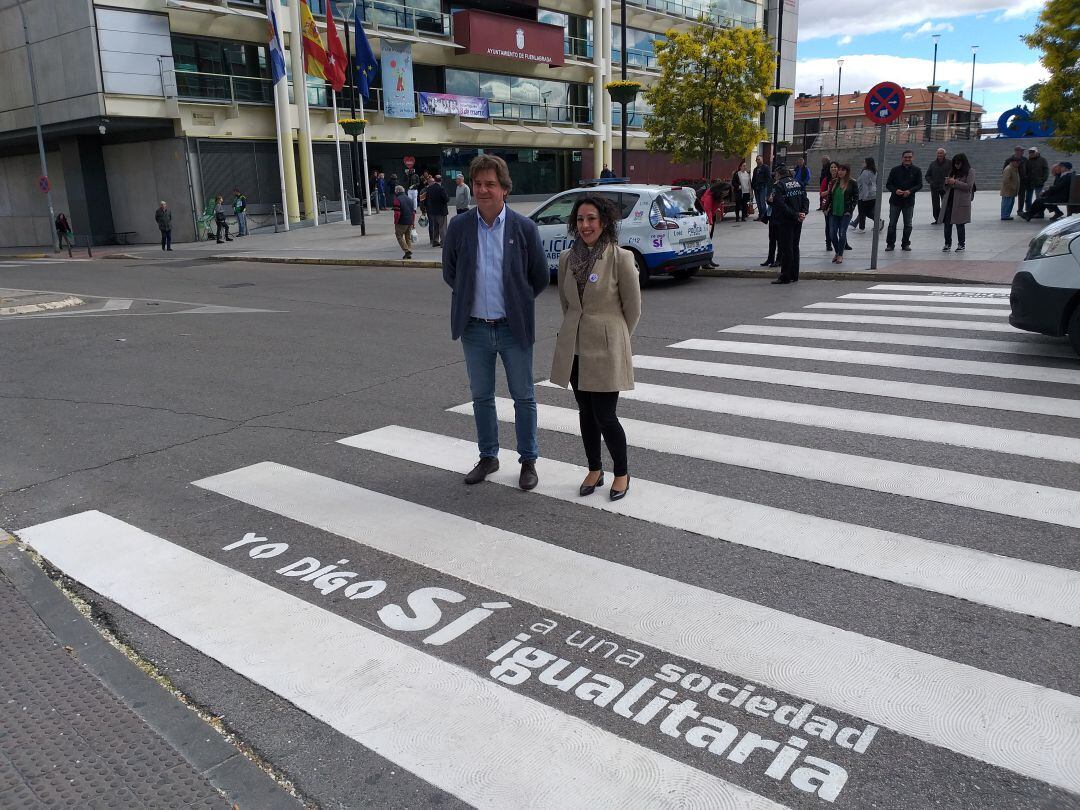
x=682, y=695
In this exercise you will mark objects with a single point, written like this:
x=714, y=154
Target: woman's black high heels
x=586, y=489
x=619, y=494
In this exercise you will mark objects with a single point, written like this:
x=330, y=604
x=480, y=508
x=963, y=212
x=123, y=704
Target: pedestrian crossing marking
x=987, y=290
x=953, y=299
x=872, y=423
x=1010, y=584
x=944, y=365
x=1018, y=726
x=996, y=495
x=903, y=339
x=931, y=323
x=908, y=308
x=342, y=673
x=919, y=392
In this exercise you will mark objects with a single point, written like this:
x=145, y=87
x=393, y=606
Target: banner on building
x=447, y=104
x=397, y=72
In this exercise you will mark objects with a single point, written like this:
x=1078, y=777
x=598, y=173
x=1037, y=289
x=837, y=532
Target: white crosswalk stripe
x=902, y=339
x=1006, y=371
x=919, y=392
x=926, y=323
x=493, y=746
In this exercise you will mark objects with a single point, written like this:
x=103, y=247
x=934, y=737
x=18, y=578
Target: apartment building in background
x=148, y=100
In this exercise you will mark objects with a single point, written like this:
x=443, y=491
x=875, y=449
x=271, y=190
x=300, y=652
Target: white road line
x=932, y=323
x=996, y=495
x=871, y=423
x=919, y=392
x=1002, y=291
x=1022, y=727
x=1000, y=582
x=909, y=308
x=459, y=731
x=945, y=299
x=903, y=339
x=944, y=365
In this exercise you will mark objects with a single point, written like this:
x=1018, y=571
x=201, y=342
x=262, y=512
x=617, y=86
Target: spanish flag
x=314, y=52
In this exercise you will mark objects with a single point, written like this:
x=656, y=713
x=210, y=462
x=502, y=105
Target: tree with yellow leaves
x=710, y=94
x=1058, y=37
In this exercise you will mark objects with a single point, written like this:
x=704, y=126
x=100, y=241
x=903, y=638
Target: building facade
x=148, y=100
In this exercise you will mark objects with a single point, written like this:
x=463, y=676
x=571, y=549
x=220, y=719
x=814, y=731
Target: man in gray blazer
x=494, y=261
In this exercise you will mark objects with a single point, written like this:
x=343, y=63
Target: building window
x=577, y=31
x=221, y=70
x=523, y=96
x=640, y=47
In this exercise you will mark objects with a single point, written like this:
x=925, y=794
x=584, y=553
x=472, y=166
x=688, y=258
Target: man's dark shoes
x=528, y=480
x=890, y=247
x=1025, y=216
x=780, y=281
x=484, y=467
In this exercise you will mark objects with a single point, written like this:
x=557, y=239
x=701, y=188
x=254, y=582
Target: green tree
x=710, y=93
x=1031, y=95
x=1057, y=35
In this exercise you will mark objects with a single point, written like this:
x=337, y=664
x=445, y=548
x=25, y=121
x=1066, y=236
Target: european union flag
x=367, y=68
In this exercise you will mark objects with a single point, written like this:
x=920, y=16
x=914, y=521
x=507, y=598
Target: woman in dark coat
x=956, y=205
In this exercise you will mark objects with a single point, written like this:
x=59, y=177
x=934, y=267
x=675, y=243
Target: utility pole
x=839, y=75
x=776, y=84
x=37, y=125
x=971, y=100
x=933, y=88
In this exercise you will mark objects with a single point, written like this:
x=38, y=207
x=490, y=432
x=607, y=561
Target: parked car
x=1045, y=294
x=660, y=225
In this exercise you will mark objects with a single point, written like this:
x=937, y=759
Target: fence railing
x=900, y=133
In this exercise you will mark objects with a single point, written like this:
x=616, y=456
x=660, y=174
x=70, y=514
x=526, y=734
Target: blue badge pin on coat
x=594, y=278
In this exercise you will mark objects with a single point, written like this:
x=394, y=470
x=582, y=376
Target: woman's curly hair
x=609, y=217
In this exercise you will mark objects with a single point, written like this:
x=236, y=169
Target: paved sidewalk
x=81, y=726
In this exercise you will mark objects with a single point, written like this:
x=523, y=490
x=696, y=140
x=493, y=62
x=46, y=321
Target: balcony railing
x=676, y=8
x=403, y=17
x=638, y=58
x=223, y=88
x=898, y=133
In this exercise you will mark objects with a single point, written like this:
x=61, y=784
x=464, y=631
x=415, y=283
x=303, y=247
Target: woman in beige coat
x=601, y=304
x=956, y=204
x=1010, y=186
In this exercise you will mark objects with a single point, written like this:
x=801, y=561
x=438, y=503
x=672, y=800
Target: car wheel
x=644, y=276
x=1074, y=329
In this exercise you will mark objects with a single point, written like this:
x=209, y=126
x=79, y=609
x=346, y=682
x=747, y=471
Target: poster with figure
x=397, y=72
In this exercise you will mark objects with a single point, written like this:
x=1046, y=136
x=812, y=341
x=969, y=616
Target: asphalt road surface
x=846, y=573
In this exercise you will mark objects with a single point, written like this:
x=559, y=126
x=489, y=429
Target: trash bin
x=354, y=212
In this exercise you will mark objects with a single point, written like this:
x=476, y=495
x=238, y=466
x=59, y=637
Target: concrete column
x=599, y=93
x=609, y=75
x=87, y=187
x=307, y=170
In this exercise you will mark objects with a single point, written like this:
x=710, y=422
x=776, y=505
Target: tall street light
x=779, y=53
x=933, y=88
x=971, y=100
x=37, y=125
x=820, y=97
x=839, y=75
x=622, y=75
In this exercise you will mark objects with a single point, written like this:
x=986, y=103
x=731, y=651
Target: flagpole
x=307, y=160
x=281, y=109
x=337, y=154
x=363, y=147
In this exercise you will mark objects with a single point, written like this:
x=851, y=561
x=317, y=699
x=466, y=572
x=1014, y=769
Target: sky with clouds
x=893, y=42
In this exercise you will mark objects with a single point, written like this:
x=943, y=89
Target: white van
x=1045, y=294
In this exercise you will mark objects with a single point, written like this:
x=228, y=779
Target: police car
x=1045, y=295
x=659, y=225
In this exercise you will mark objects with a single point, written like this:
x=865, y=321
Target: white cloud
x=844, y=40
x=928, y=28
x=822, y=19
x=863, y=71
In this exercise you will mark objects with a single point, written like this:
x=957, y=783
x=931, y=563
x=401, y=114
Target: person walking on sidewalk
x=1038, y=172
x=956, y=207
x=240, y=209
x=495, y=263
x=404, y=219
x=741, y=190
x=904, y=181
x=163, y=217
x=867, y=187
x=380, y=192
x=438, y=209
x=1010, y=187
x=843, y=195
x=601, y=304
x=760, y=182
x=462, y=195
x=773, y=259
x=63, y=230
x=221, y=218
x=790, y=207
x=935, y=175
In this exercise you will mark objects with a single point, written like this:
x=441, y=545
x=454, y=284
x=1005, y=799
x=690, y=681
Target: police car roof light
x=604, y=181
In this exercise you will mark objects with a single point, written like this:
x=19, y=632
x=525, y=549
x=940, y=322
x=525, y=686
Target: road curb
x=242, y=781
x=409, y=263
x=26, y=308
x=858, y=275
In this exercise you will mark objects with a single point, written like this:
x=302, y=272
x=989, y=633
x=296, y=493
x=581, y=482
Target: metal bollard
x=274, y=211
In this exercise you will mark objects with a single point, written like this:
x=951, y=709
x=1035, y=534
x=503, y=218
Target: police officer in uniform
x=790, y=207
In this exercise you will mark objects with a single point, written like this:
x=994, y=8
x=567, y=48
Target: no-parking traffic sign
x=884, y=102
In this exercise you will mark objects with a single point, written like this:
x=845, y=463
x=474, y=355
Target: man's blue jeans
x=761, y=194
x=241, y=223
x=483, y=343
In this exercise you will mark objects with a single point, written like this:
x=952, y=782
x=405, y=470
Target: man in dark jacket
x=404, y=217
x=789, y=209
x=1038, y=172
x=802, y=173
x=936, y=173
x=495, y=263
x=438, y=209
x=163, y=217
x=759, y=182
x=904, y=180
x=1057, y=193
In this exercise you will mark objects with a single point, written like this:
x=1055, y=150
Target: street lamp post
x=354, y=155
x=839, y=75
x=971, y=99
x=779, y=50
x=37, y=125
x=933, y=88
x=622, y=58
x=820, y=100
